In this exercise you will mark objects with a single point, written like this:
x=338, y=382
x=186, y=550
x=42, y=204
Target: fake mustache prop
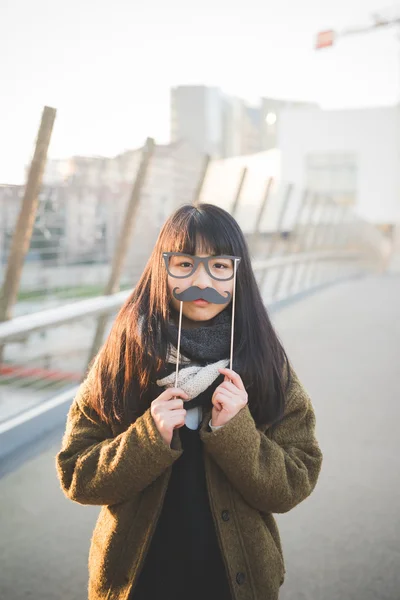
x=196, y=293
x=212, y=296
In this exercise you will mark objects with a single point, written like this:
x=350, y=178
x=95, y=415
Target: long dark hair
x=125, y=369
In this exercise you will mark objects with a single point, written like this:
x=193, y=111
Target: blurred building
x=197, y=117
x=271, y=110
x=171, y=181
x=77, y=185
x=223, y=126
x=352, y=155
x=49, y=225
x=94, y=192
x=10, y=202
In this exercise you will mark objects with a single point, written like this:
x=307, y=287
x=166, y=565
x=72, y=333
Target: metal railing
x=47, y=353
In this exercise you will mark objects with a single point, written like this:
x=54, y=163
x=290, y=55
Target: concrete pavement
x=341, y=543
x=344, y=541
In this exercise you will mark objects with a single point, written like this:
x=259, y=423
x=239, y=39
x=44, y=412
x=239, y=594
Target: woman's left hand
x=228, y=399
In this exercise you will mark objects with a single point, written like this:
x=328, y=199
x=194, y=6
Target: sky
x=108, y=66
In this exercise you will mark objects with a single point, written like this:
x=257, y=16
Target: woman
x=188, y=476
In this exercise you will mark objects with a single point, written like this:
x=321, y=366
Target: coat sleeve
x=273, y=470
x=96, y=468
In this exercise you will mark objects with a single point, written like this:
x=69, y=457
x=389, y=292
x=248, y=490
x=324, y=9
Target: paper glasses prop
x=221, y=268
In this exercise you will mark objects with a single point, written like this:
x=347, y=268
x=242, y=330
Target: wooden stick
x=233, y=314
x=124, y=240
x=201, y=181
x=179, y=345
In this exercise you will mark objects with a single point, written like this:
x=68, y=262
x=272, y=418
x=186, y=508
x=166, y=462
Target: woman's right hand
x=168, y=412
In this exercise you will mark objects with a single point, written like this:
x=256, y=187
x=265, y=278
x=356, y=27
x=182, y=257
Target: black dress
x=184, y=561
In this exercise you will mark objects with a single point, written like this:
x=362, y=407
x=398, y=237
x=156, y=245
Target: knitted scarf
x=204, y=350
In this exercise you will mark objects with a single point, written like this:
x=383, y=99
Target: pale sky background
x=108, y=65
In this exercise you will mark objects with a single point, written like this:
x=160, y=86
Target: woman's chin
x=202, y=313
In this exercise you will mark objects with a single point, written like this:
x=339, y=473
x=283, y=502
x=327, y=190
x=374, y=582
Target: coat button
x=240, y=577
x=225, y=515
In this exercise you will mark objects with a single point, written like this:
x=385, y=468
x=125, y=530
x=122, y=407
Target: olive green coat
x=251, y=473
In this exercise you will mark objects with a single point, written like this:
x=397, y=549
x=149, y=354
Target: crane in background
x=327, y=38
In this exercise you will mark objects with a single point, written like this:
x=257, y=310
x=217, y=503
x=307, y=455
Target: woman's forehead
x=197, y=247
x=201, y=251
x=204, y=248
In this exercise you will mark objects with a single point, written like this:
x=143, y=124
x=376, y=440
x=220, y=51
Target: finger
x=176, y=415
x=174, y=392
x=222, y=398
x=177, y=419
x=172, y=417
x=174, y=404
x=229, y=387
x=234, y=377
x=229, y=401
x=218, y=406
x=222, y=408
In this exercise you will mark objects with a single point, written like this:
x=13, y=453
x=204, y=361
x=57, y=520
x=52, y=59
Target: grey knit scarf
x=204, y=350
x=206, y=343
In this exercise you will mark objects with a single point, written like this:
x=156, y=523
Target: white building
x=271, y=110
x=197, y=117
x=224, y=126
x=352, y=155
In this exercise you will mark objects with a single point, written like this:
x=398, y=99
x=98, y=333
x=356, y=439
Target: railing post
x=201, y=181
x=256, y=233
x=320, y=238
x=279, y=225
x=293, y=247
x=123, y=241
x=277, y=235
x=310, y=233
x=26, y=219
x=238, y=194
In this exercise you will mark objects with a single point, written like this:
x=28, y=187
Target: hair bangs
x=198, y=231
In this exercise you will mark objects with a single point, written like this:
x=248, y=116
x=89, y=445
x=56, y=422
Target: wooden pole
x=279, y=227
x=309, y=234
x=294, y=245
x=26, y=219
x=276, y=237
x=238, y=192
x=261, y=210
x=202, y=178
x=315, y=267
x=123, y=241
